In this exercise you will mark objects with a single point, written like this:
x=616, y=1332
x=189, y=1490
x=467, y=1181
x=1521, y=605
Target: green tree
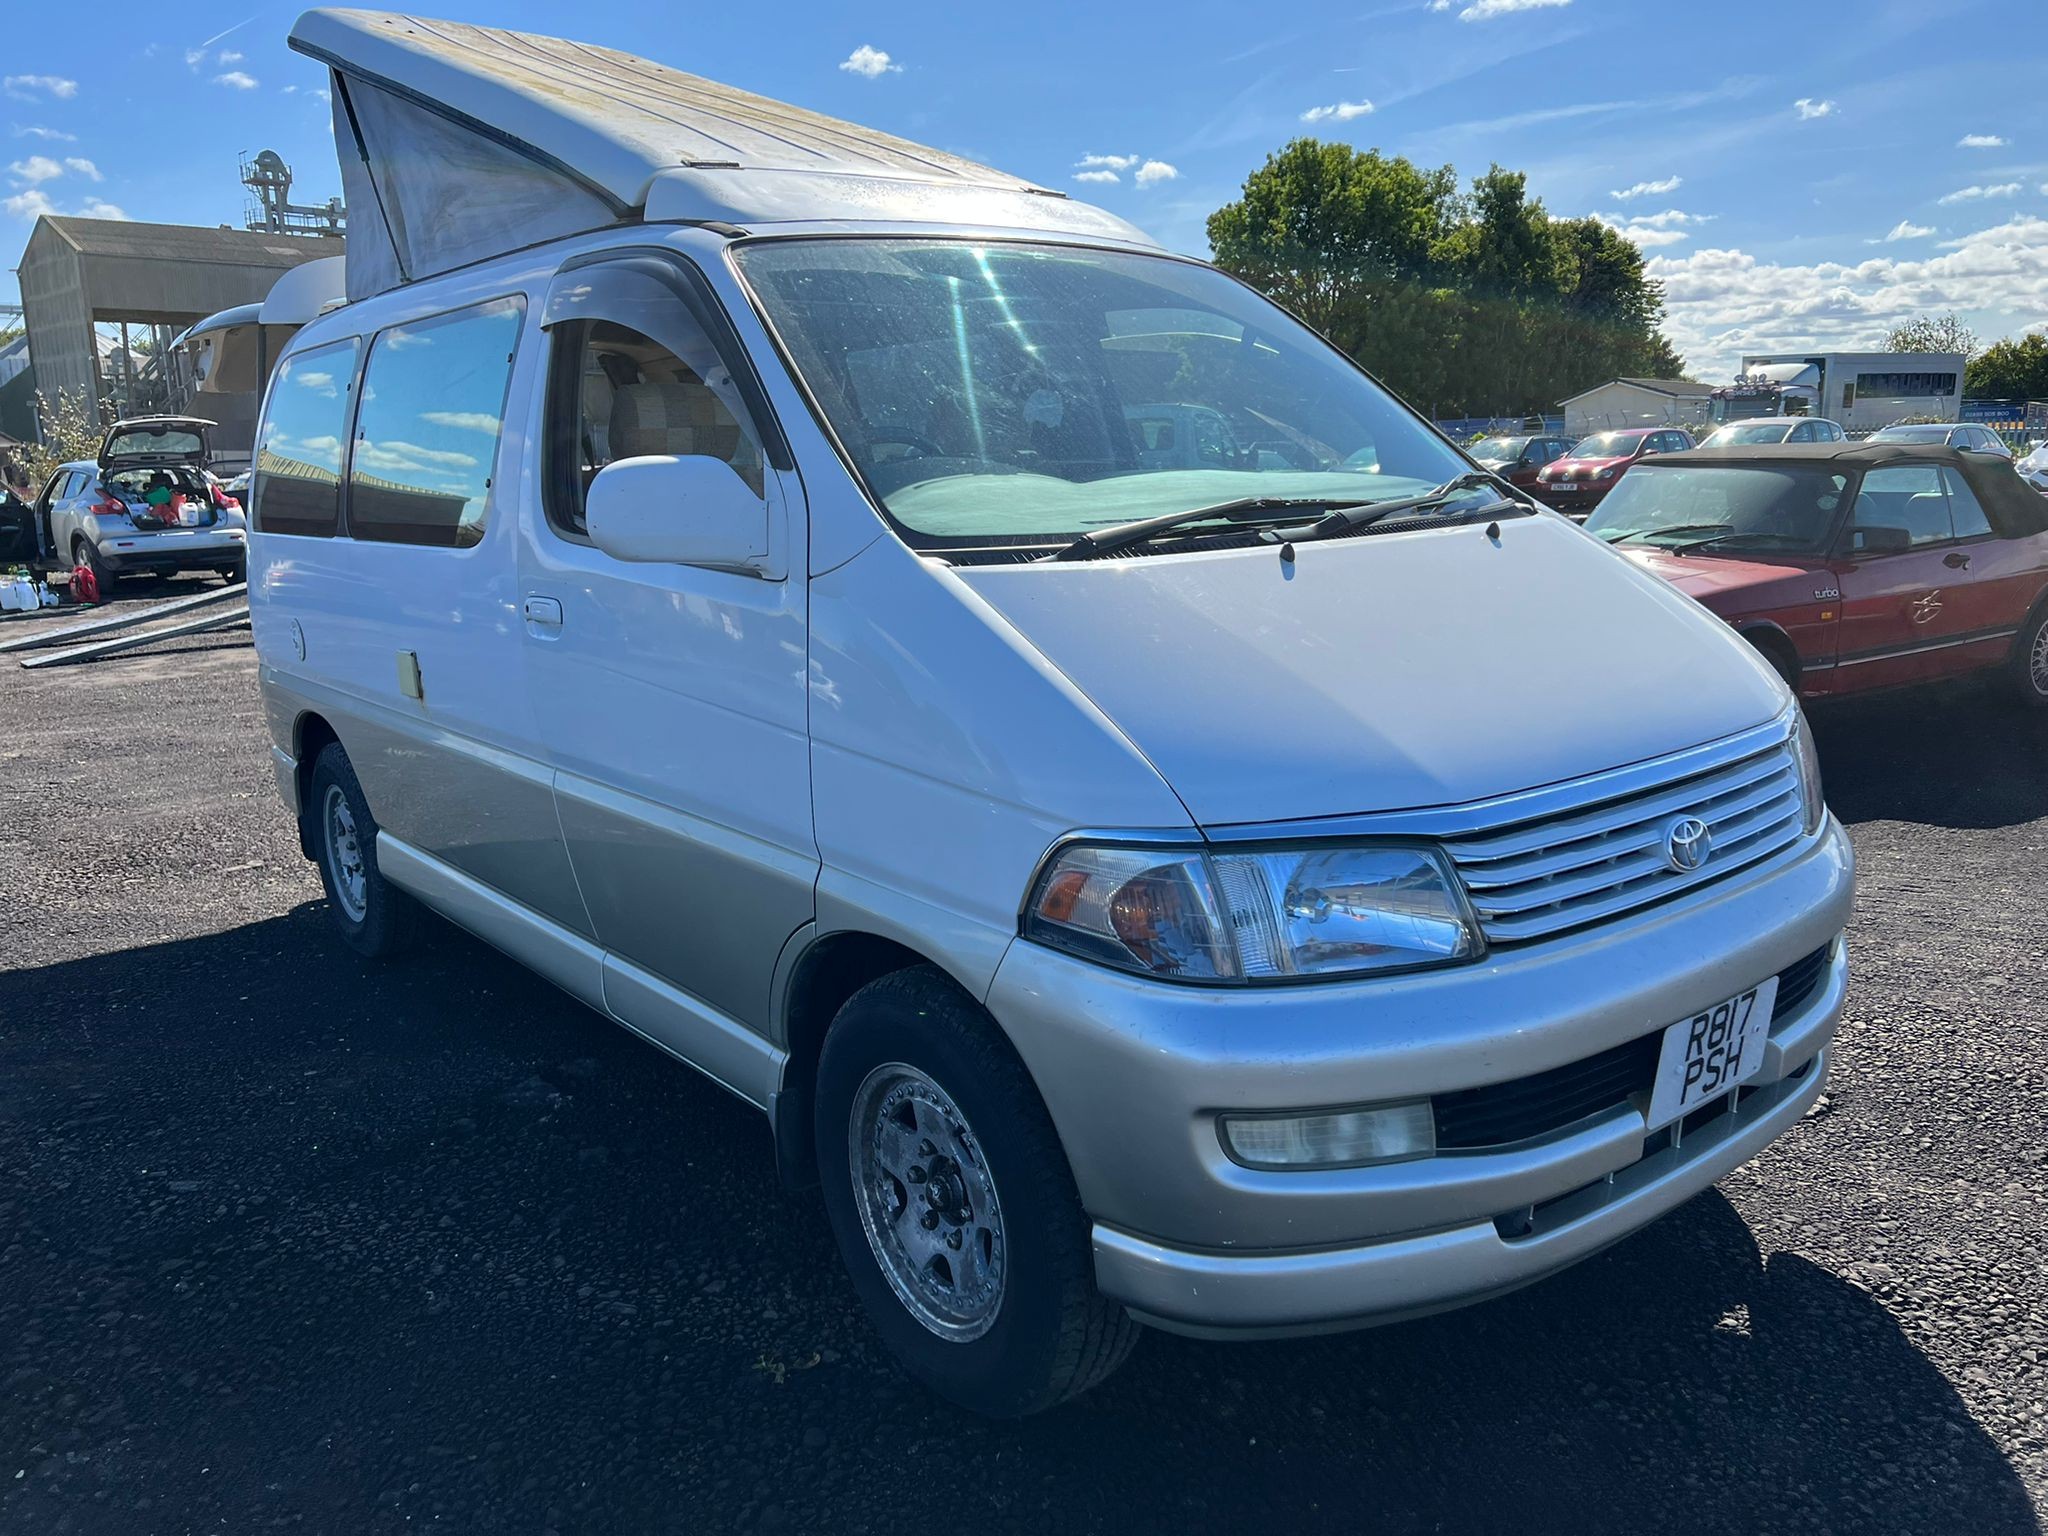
x=2013, y=369
x=1475, y=303
x=1930, y=333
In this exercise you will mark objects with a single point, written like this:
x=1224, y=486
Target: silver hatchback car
x=146, y=506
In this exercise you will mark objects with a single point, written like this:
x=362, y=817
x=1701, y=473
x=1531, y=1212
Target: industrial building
x=147, y=283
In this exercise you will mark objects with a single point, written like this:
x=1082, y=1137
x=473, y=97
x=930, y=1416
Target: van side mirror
x=671, y=509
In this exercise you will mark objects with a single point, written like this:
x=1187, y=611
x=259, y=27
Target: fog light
x=1339, y=1138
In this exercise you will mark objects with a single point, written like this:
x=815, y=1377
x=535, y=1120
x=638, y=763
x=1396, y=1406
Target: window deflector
x=657, y=294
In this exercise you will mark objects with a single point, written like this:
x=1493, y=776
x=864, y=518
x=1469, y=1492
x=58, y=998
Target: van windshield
x=1011, y=393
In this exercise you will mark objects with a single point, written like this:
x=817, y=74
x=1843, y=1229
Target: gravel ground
x=285, y=1241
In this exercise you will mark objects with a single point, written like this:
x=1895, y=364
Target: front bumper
x=1135, y=1074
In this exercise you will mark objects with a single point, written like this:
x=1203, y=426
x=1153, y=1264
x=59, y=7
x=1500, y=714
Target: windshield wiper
x=1101, y=541
x=1754, y=536
x=1347, y=517
x=1634, y=535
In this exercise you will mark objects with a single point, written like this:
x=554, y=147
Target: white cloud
x=1649, y=189
x=34, y=202
x=324, y=94
x=49, y=135
x=1486, y=10
x=1722, y=303
x=1097, y=176
x=238, y=79
x=1977, y=194
x=230, y=57
x=194, y=57
x=34, y=169
x=30, y=204
x=82, y=167
x=1905, y=229
x=1340, y=112
x=1439, y=5
x=1650, y=230
x=464, y=421
x=1808, y=109
x=1106, y=162
x=869, y=63
x=1155, y=170
x=1980, y=141
x=27, y=87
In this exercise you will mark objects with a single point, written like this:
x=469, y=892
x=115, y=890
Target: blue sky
x=1799, y=175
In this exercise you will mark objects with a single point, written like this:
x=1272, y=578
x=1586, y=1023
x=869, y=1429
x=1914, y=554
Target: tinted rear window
x=163, y=440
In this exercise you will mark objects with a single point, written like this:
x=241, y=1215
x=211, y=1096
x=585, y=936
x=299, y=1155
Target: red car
x=1520, y=460
x=1851, y=566
x=1578, y=482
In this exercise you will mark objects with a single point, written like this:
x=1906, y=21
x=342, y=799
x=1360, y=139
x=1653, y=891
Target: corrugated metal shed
x=76, y=273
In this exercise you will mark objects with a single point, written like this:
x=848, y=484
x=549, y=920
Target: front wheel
x=953, y=1205
x=375, y=917
x=2030, y=659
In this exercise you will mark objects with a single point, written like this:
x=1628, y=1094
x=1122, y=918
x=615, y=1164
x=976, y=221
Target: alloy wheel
x=345, y=855
x=927, y=1202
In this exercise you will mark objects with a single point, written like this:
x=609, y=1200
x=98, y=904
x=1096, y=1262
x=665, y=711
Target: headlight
x=1608, y=473
x=1253, y=914
x=1813, y=807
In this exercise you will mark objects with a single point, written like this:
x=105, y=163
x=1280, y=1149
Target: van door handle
x=1955, y=560
x=544, y=610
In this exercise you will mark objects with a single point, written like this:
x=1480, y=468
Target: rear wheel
x=234, y=574
x=84, y=553
x=376, y=919
x=953, y=1205
x=2030, y=660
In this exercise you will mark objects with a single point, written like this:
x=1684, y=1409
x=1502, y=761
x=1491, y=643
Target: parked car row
x=1574, y=475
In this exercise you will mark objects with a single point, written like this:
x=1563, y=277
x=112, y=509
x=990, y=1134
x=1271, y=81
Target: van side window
x=296, y=487
x=427, y=434
x=628, y=395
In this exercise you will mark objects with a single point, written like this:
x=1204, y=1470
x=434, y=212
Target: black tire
x=382, y=923
x=84, y=553
x=1054, y=1335
x=234, y=574
x=2029, y=681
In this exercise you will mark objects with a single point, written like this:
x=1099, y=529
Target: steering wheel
x=924, y=447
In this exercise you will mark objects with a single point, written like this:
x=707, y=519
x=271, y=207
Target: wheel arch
x=311, y=733
x=1776, y=647
x=830, y=968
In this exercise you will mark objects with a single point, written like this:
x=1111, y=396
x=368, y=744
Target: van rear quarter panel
x=454, y=773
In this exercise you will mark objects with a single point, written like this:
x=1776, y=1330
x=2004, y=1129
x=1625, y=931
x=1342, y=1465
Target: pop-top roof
x=459, y=141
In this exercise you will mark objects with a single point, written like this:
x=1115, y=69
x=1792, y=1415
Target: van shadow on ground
x=301, y=1240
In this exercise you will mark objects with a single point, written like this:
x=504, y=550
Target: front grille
x=1501, y=1114
x=1532, y=879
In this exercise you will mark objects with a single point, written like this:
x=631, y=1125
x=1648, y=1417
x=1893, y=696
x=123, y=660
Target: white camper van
x=729, y=560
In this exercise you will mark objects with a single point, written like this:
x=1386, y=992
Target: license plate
x=1714, y=1051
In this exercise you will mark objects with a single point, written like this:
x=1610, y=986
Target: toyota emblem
x=1686, y=842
